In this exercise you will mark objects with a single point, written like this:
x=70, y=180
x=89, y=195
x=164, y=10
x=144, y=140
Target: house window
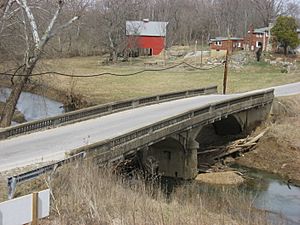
x=219, y=43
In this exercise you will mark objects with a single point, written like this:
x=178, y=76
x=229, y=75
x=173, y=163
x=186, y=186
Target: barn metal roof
x=146, y=28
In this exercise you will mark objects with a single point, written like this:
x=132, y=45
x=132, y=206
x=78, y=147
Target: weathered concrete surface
x=176, y=156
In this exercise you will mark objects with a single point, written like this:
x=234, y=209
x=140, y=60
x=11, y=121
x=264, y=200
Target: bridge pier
x=175, y=156
x=191, y=161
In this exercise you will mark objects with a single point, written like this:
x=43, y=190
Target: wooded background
x=101, y=28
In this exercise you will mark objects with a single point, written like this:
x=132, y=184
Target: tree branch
x=34, y=29
x=47, y=33
x=71, y=21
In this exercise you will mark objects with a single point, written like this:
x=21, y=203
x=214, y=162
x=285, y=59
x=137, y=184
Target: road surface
x=52, y=144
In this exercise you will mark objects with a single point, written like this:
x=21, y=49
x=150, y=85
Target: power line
x=108, y=73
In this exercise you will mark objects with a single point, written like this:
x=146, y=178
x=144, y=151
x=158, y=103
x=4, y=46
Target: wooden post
x=35, y=207
x=225, y=74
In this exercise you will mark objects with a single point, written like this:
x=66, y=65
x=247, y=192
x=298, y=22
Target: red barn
x=146, y=37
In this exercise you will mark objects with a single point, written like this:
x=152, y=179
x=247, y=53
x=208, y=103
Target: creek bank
x=278, y=151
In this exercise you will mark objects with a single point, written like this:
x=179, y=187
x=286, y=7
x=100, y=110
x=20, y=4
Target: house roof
x=146, y=28
x=226, y=39
x=261, y=30
x=266, y=29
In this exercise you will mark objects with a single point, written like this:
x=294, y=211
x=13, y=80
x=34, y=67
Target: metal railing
x=98, y=111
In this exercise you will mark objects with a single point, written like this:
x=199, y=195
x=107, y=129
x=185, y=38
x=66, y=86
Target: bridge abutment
x=251, y=118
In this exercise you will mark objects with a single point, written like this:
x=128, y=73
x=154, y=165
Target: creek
x=273, y=194
x=267, y=192
x=34, y=107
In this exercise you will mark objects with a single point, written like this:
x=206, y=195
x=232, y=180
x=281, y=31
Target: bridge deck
x=54, y=143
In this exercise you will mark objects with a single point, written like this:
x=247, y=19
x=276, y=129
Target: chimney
x=251, y=29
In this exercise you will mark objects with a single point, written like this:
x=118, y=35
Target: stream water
x=33, y=106
x=274, y=195
x=268, y=192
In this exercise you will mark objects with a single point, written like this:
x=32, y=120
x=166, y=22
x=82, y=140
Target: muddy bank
x=279, y=150
x=220, y=178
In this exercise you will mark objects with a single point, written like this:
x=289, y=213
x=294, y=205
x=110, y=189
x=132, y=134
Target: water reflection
x=33, y=106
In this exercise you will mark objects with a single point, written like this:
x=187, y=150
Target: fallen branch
x=242, y=145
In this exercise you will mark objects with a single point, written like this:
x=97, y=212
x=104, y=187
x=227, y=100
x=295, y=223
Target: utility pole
x=196, y=42
x=201, y=50
x=225, y=73
x=229, y=45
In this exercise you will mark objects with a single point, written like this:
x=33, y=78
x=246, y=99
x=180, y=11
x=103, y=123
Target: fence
x=100, y=110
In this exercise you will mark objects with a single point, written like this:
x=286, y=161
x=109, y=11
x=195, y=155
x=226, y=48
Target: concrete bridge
x=167, y=133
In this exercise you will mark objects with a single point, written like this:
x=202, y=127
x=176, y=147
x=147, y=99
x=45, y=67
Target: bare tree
x=113, y=16
x=35, y=41
x=269, y=9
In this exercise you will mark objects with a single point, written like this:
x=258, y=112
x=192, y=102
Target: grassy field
x=107, y=88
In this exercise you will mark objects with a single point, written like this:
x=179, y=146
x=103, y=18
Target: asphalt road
x=52, y=144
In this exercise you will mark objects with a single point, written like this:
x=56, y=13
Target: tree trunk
x=11, y=102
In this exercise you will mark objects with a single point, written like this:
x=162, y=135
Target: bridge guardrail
x=209, y=111
x=105, y=148
x=14, y=180
x=100, y=110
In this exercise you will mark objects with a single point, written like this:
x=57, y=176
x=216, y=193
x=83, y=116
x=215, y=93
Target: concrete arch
x=220, y=132
x=228, y=126
x=169, y=156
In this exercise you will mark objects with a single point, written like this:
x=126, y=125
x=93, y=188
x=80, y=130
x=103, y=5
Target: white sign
x=19, y=210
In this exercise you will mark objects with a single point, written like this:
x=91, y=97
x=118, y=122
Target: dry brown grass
x=88, y=195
